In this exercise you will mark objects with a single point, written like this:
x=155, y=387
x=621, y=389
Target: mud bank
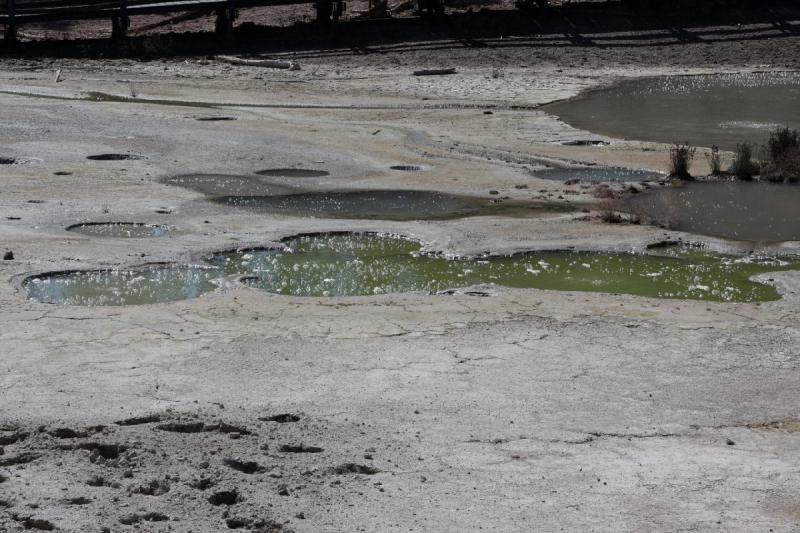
x=506, y=409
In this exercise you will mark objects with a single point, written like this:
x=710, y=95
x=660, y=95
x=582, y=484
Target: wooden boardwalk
x=13, y=13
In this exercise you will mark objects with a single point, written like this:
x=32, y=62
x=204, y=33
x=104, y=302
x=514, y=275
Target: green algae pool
x=350, y=265
x=361, y=265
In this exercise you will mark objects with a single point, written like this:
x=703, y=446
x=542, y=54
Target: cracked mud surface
x=482, y=407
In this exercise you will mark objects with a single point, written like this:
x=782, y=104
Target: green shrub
x=714, y=161
x=608, y=211
x=783, y=155
x=680, y=157
x=743, y=166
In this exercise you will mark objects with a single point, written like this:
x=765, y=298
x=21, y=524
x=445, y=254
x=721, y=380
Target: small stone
x=301, y=516
x=494, y=192
x=8, y=256
x=729, y=442
x=283, y=490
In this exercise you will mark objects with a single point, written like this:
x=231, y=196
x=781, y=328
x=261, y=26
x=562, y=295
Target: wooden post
x=121, y=23
x=224, y=24
x=430, y=7
x=10, y=34
x=338, y=9
x=324, y=11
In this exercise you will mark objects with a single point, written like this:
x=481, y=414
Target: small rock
x=8, y=256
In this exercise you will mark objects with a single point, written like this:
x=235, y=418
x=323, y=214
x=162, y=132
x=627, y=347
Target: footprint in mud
x=156, y=487
x=260, y=525
x=66, y=433
x=182, y=427
x=282, y=418
x=99, y=452
x=225, y=497
x=23, y=458
x=13, y=438
x=138, y=420
x=131, y=519
x=99, y=481
x=201, y=427
x=69, y=433
x=28, y=522
x=222, y=427
x=114, y=157
x=353, y=468
x=202, y=483
x=300, y=448
x=247, y=467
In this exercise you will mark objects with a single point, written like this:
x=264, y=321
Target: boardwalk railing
x=13, y=13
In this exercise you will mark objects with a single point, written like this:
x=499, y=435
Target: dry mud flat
x=490, y=408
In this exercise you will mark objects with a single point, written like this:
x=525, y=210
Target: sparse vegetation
x=681, y=156
x=743, y=166
x=782, y=155
x=608, y=212
x=714, y=161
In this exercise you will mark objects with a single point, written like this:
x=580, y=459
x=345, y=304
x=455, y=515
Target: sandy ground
x=522, y=410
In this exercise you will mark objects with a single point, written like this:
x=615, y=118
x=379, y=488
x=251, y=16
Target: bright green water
x=348, y=265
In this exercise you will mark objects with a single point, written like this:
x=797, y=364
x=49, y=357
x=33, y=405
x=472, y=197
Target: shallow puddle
x=119, y=229
x=745, y=211
x=227, y=185
x=706, y=110
x=122, y=287
x=387, y=205
x=407, y=168
x=349, y=265
x=597, y=174
x=115, y=157
x=293, y=173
